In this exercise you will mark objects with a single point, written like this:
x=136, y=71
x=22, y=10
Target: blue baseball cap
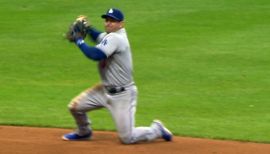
x=114, y=13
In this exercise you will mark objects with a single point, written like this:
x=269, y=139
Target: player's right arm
x=101, y=51
x=90, y=52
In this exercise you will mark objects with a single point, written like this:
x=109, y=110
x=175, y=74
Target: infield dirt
x=31, y=140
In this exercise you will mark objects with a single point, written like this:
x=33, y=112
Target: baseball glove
x=78, y=29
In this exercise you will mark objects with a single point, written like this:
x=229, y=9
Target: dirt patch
x=30, y=140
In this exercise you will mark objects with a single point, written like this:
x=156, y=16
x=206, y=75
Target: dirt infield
x=29, y=140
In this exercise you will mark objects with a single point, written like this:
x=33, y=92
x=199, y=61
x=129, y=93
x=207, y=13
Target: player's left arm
x=95, y=34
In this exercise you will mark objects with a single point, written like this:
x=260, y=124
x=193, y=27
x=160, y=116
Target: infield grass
x=201, y=66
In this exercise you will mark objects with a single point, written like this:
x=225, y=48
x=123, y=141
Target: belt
x=115, y=90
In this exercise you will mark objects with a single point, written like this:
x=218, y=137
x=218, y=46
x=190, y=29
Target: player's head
x=114, y=20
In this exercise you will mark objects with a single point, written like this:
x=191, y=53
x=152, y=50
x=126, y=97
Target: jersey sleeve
x=109, y=44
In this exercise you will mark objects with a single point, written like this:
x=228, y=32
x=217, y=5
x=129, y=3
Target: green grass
x=201, y=66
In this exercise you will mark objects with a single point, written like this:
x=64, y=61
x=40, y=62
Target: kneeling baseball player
x=117, y=91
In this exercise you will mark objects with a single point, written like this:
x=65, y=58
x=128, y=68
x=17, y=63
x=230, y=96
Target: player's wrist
x=79, y=41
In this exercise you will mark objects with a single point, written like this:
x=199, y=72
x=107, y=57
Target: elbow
x=96, y=55
x=92, y=52
x=95, y=58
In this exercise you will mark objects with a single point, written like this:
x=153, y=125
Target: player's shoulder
x=114, y=38
x=118, y=34
x=113, y=35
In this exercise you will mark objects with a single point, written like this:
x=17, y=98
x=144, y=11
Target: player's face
x=112, y=25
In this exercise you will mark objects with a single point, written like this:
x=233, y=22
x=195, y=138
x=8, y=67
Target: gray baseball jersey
x=117, y=69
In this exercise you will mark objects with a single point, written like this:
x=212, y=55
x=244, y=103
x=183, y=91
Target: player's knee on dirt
x=127, y=139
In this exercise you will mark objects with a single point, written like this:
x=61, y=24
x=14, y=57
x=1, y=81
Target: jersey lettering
x=104, y=42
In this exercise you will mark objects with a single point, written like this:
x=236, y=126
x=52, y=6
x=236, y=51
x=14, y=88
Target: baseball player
x=117, y=92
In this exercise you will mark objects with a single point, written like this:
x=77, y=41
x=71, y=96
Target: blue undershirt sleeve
x=93, y=33
x=91, y=52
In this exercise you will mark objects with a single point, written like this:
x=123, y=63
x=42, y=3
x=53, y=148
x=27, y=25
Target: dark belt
x=115, y=90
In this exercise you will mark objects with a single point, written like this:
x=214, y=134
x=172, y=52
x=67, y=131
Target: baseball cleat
x=76, y=137
x=165, y=133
